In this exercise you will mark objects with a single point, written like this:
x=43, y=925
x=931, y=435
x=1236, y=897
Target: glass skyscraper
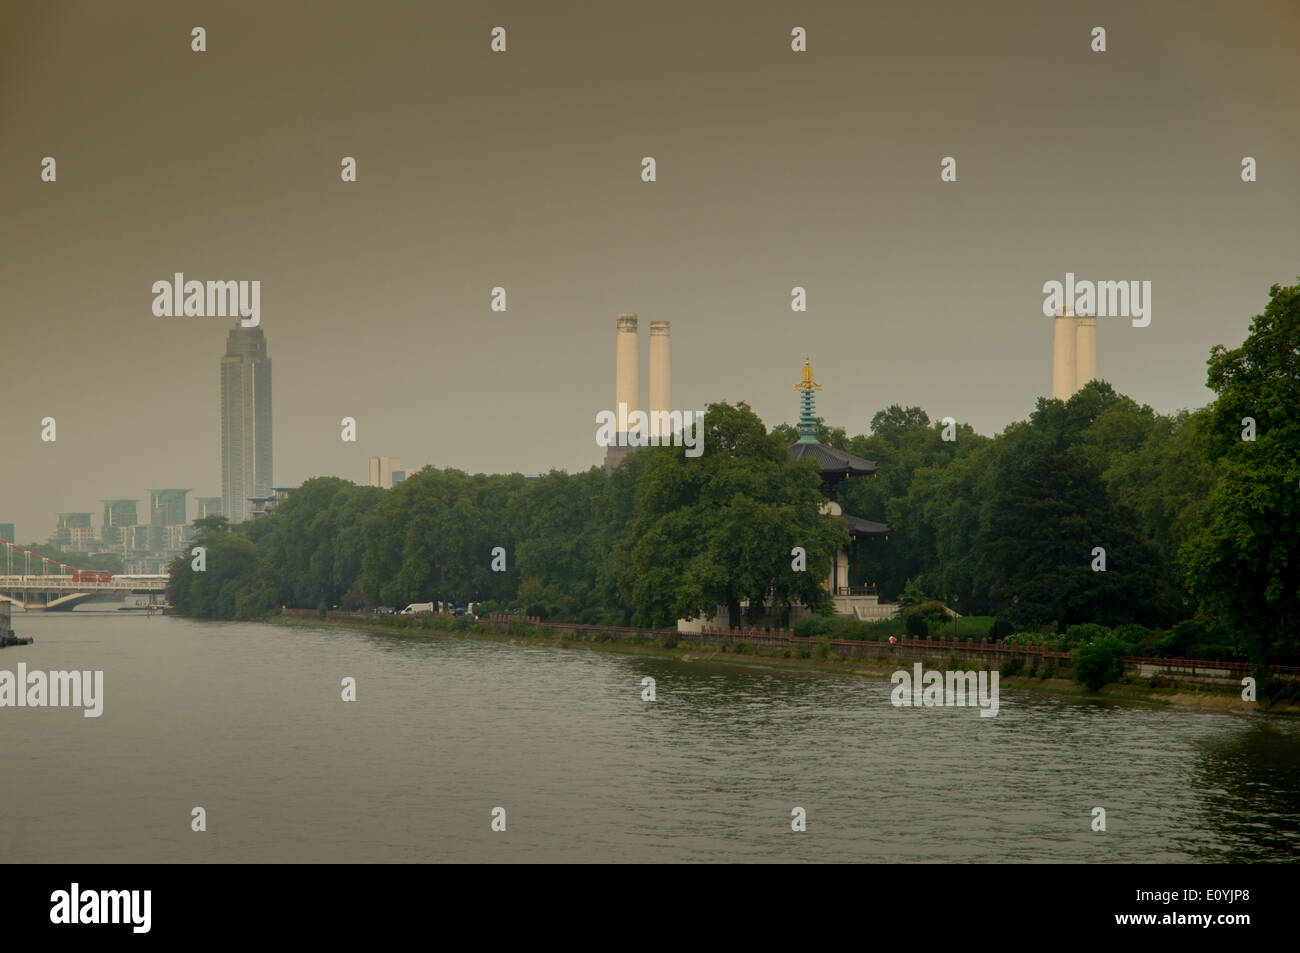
x=245, y=422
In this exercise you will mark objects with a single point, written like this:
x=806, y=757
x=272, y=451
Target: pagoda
x=837, y=466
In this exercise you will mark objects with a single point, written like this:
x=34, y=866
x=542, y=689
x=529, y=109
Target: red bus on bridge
x=89, y=575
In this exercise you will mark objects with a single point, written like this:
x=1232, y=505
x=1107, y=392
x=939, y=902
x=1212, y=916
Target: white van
x=417, y=607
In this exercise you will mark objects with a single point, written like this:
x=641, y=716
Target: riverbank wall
x=906, y=651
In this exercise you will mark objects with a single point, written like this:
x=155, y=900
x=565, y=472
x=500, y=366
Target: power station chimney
x=1085, y=368
x=661, y=378
x=1064, y=350
x=627, y=386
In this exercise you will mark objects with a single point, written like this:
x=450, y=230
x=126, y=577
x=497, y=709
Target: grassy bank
x=523, y=633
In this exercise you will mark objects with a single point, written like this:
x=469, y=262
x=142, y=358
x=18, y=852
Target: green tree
x=221, y=590
x=719, y=529
x=1244, y=566
x=1099, y=662
x=1049, y=513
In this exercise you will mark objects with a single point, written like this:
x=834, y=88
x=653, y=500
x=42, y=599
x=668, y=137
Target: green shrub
x=916, y=626
x=823, y=648
x=1000, y=629
x=913, y=594
x=811, y=626
x=1012, y=666
x=934, y=613
x=1099, y=663
x=1181, y=637
x=1139, y=639
x=1085, y=633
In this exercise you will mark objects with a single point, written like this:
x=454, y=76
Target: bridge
x=42, y=583
x=37, y=593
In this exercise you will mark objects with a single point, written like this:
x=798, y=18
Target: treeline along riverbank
x=1094, y=521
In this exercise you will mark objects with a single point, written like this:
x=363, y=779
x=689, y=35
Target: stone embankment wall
x=933, y=652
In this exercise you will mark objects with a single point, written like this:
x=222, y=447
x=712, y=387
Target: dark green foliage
x=1244, y=564
x=913, y=594
x=916, y=625
x=1012, y=666
x=1087, y=632
x=1139, y=639
x=1000, y=629
x=718, y=529
x=933, y=613
x=1099, y=662
x=812, y=626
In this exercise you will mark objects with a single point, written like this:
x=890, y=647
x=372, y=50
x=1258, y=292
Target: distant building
x=117, y=514
x=176, y=537
x=74, y=532
x=386, y=472
x=262, y=505
x=134, y=540
x=167, y=507
x=245, y=422
x=208, y=506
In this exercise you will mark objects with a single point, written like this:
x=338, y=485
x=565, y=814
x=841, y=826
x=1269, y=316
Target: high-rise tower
x=245, y=421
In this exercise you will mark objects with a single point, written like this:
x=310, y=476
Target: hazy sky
x=522, y=169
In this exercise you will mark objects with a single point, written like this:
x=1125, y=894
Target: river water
x=247, y=721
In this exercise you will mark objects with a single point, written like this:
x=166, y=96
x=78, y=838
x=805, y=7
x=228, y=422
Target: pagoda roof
x=860, y=527
x=832, y=461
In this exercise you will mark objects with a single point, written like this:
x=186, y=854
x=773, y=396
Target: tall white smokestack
x=1064, y=349
x=1085, y=367
x=627, y=386
x=661, y=377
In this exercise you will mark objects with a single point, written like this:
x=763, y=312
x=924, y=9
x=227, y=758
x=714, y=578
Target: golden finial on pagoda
x=807, y=382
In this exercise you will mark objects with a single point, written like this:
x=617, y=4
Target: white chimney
x=1064, y=349
x=661, y=376
x=627, y=386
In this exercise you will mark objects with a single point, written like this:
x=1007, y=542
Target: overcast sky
x=522, y=169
